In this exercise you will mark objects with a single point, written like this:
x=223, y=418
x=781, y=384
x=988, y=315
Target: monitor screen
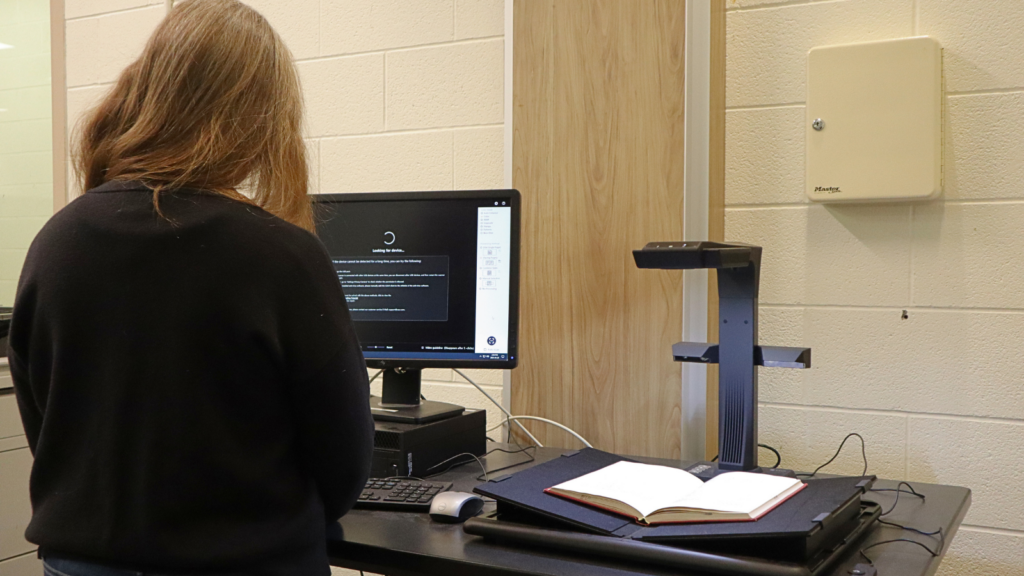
x=431, y=278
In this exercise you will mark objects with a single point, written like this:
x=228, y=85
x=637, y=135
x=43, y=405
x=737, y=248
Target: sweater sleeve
x=21, y=334
x=335, y=429
x=31, y=415
x=329, y=391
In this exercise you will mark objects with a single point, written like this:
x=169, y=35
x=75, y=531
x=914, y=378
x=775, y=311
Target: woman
x=186, y=368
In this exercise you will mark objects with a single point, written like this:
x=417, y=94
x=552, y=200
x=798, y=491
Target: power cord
x=910, y=491
x=863, y=453
x=553, y=423
x=778, y=457
x=487, y=473
x=899, y=490
x=498, y=404
x=910, y=529
x=870, y=561
x=510, y=418
x=529, y=458
x=471, y=455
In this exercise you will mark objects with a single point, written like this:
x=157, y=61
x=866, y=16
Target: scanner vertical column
x=737, y=382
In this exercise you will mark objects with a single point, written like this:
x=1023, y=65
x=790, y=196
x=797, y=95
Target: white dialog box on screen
x=493, y=249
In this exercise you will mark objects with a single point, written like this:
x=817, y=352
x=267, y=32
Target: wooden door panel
x=597, y=156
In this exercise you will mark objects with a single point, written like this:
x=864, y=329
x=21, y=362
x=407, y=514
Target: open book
x=661, y=495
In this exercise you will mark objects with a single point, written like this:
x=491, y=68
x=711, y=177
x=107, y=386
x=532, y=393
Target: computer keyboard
x=400, y=495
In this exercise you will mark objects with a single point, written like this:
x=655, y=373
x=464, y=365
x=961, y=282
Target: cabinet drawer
x=10, y=419
x=27, y=565
x=15, y=508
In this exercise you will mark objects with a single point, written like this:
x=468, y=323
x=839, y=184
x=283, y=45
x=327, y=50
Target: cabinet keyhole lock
x=818, y=124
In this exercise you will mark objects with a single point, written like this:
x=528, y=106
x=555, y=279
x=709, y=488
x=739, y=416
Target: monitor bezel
x=513, y=312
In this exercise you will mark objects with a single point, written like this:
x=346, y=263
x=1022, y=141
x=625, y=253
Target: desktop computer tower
x=406, y=449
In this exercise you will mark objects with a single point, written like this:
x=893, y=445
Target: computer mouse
x=455, y=507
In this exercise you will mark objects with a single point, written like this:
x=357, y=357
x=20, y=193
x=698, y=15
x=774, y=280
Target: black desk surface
x=405, y=544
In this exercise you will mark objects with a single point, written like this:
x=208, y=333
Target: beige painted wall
x=26, y=194
x=937, y=395
x=399, y=96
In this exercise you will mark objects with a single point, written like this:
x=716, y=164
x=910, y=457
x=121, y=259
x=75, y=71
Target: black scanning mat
x=525, y=490
x=799, y=516
x=823, y=504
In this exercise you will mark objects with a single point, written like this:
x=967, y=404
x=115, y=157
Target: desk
x=406, y=544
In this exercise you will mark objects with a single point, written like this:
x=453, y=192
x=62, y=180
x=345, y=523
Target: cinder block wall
x=26, y=177
x=938, y=395
x=399, y=96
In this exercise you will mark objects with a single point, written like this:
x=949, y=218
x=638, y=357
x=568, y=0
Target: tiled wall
x=399, y=96
x=939, y=395
x=26, y=165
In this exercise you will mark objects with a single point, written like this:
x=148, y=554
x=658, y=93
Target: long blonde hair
x=213, y=103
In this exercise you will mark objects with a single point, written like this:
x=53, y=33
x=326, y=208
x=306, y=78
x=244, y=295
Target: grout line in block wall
x=991, y=530
x=765, y=106
x=384, y=94
x=81, y=87
x=863, y=308
x=907, y=414
x=113, y=12
x=985, y=91
x=906, y=448
x=407, y=131
x=910, y=256
x=784, y=4
x=778, y=206
x=399, y=49
x=319, y=26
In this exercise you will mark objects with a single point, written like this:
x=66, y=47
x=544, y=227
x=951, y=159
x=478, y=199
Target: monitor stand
x=400, y=401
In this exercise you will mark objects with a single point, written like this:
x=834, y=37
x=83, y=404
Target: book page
x=742, y=492
x=645, y=487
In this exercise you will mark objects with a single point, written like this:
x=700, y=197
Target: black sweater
x=191, y=386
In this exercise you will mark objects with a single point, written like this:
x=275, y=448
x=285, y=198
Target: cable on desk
x=898, y=492
x=870, y=561
x=470, y=454
x=485, y=476
x=521, y=449
x=530, y=458
x=910, y=529
x=863, y=453
x=498, y=404
x=379, y=372
x=910, y=491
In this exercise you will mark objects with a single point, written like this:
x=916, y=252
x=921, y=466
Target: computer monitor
x=431, y=280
